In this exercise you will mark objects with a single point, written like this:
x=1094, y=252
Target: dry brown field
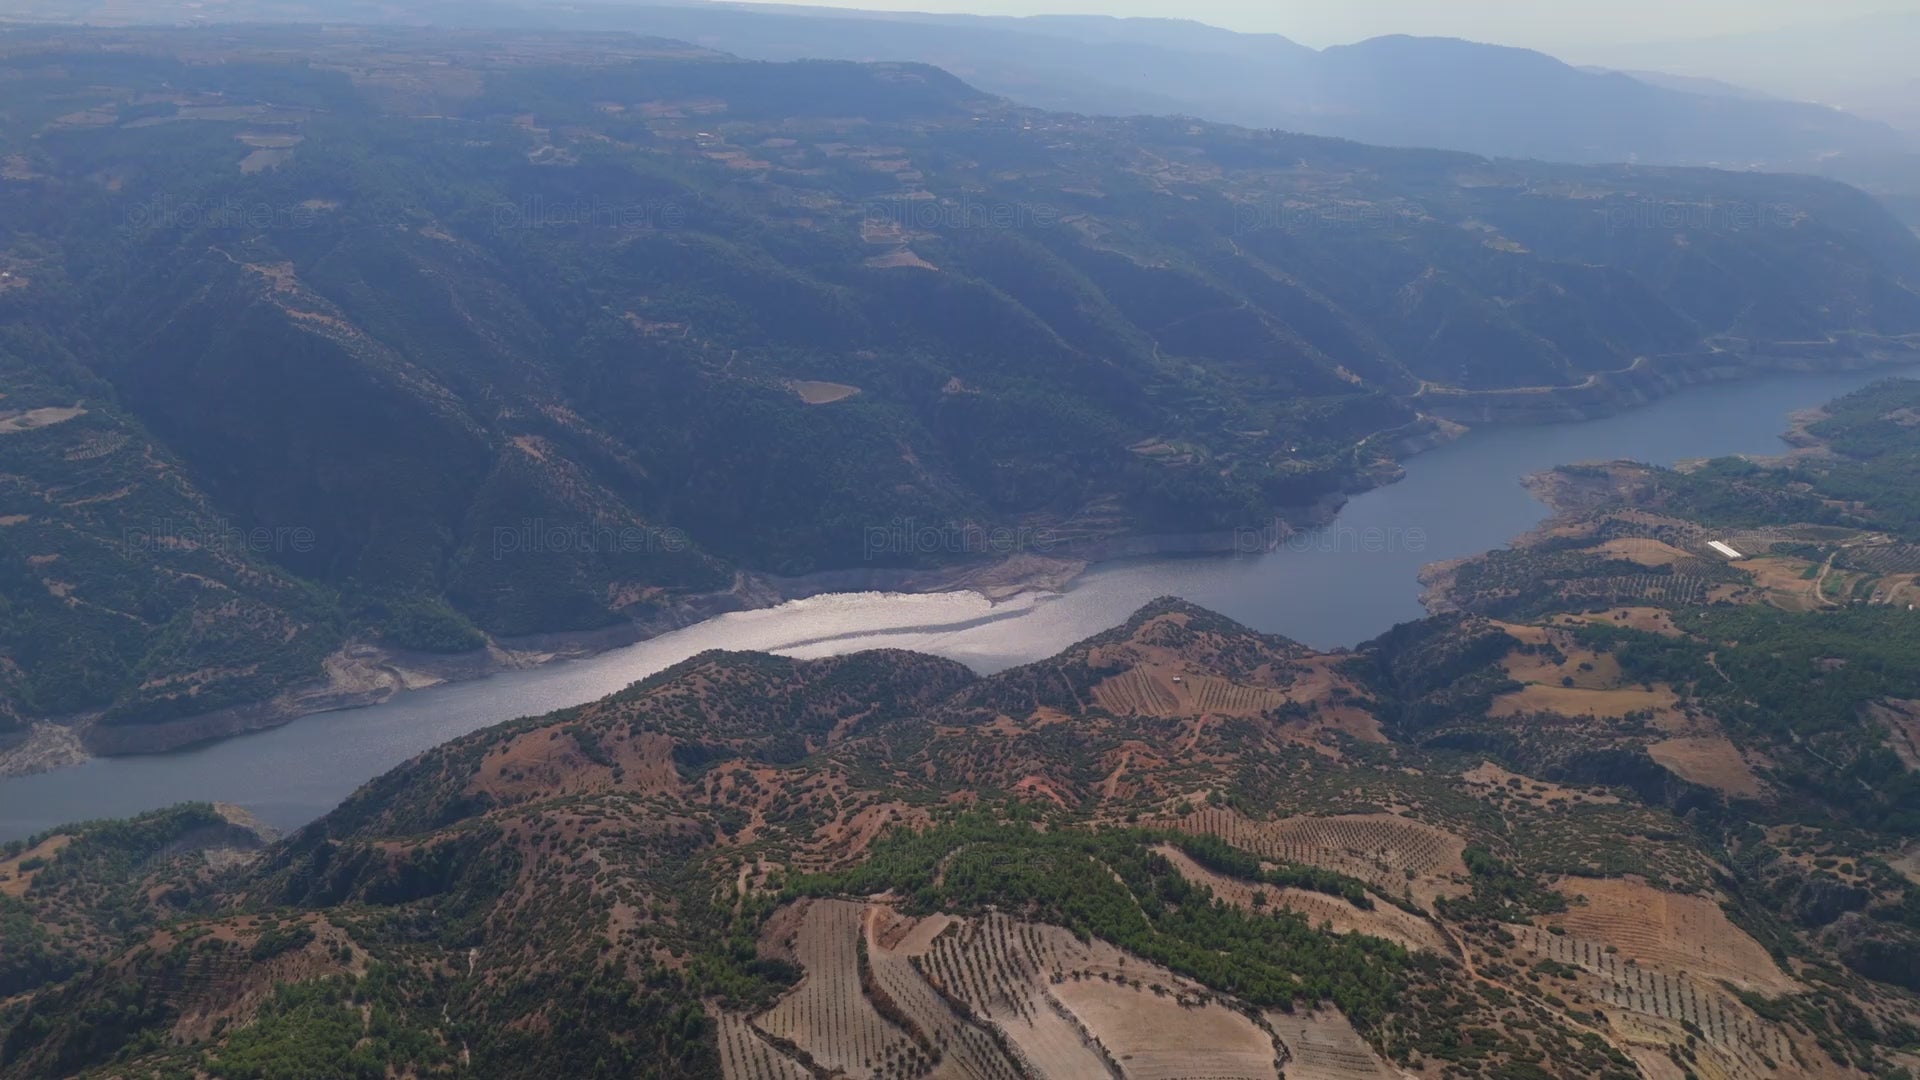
x=1322, y=1045
x=1711, y=761
x=822, y=393
x=1667, y=930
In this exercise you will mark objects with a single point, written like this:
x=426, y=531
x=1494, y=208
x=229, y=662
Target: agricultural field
x=1883, y=558
x=1393, y=855
x=992, y=998
x=1669, y=931
x=1141, y=691
x=1153, y=1036
x=1711, y=761
x=1322, y=1045
x=1658, y=1003
x=999, y=969
x=828, y=1016
x=745, y=1053
x=1319, y=909
x=997, y=998
x=1614, y=704
x=965, y=1050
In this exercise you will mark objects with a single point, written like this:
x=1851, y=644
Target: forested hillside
x=420, y=339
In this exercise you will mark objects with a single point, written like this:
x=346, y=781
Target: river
x=1338, y=586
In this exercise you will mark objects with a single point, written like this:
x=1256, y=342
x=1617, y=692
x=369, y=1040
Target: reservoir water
x=1338, y=586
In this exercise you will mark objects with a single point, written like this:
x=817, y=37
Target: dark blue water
x=1336, y=587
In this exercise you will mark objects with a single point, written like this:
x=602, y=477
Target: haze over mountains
x=1391, y=91
x=1843, y=62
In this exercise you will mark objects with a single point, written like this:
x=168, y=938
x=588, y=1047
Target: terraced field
x=746, y=1055
x=1137, y=692
x=1384, y=921
x=1141, y=691
x=827, y=1015
x=1667, y=590
x=1321, y=1045
x=1391, y=854
x=1154, y=1037
x=1681, y=1001
x=994, y=967
x=1883, y=558
x=1667, y=930
x=965, y=1049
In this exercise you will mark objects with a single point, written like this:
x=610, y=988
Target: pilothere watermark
x=535, y=536
x=1281, y=214
x=1332, y=540
x=965, y=212
x=907, y=536
x=539, y=212
x=194, y=215
x=1707, y=216
x=219, y=535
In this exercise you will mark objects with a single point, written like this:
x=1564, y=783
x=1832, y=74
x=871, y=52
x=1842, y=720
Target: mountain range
x=429, y=340
x=1394, y=91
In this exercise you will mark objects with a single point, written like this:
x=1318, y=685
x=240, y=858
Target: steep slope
x=1635, y=810
x=469, y=337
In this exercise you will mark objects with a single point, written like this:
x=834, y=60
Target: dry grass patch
x=35, y=419
x=903, y=259
x=1645, y=619
x=1711, y=761
x=553, y=762
x=1575, y=702
x=1902, y=721
x=1667, y=930
x=14, y=881
x=262, y=160
x=1153, y=1037
x=1586, y=669
x=1488, y=777
x=1908, y=864
x=1653, y=553
x=821, y=393
x=1324, y=1046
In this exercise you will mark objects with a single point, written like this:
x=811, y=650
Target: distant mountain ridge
x=1395, y=90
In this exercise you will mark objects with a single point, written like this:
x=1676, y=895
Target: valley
x=1324, y=588
x=273, y=404
x=563, y=552
x=1682, y=847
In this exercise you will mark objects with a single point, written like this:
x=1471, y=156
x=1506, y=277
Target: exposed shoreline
x=362, y=674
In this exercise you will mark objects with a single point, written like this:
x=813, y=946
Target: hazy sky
x=1559, y=24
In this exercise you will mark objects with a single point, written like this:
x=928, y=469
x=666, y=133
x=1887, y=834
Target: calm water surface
x=1340, y=586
